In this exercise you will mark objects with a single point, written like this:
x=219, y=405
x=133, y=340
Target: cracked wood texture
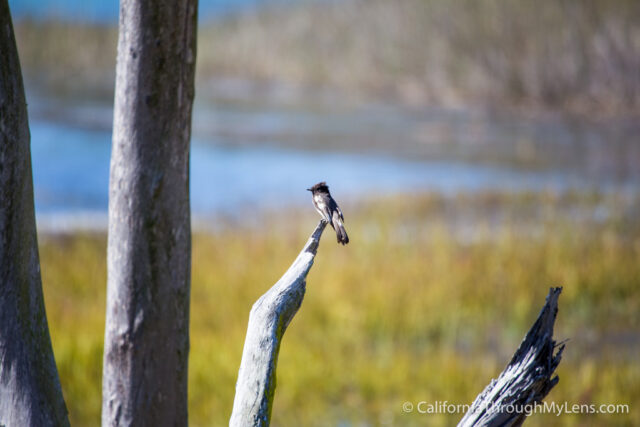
x=30, y=393
x=526, y=380
x=268, y=320
x=149, y=246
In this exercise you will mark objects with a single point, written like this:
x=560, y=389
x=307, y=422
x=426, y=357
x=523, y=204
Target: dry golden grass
x=427, y=303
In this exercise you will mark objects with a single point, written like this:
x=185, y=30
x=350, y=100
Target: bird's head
x=320, y=187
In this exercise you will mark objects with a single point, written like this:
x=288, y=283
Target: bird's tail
x=341, y=233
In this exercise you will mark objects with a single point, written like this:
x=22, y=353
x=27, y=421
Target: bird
x=329, y=210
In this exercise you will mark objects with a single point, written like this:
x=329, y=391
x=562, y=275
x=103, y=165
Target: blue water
x=106, y=12
x=71, y=174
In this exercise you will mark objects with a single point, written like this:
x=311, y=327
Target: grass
x=427, y=303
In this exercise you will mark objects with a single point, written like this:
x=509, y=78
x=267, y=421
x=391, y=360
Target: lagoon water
x=248, y=158
x=106, y=12
x=71, y=174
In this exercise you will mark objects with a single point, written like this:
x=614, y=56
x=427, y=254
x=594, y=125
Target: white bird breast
x=320, y=206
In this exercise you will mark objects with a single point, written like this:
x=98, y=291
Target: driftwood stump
x=268, y=320
x=526, y=380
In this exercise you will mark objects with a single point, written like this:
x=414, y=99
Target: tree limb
x=268, y=320
x=527, y=378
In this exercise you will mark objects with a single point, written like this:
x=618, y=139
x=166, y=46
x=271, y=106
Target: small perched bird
x=329, y=210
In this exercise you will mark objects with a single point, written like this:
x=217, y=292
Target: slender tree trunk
x=30, y=392
x=149, y=249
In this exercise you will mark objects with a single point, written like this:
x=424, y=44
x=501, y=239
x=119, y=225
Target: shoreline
x=598, y=150
x=461, y=210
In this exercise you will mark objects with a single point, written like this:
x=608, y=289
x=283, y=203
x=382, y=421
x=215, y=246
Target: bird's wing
x=334, y=208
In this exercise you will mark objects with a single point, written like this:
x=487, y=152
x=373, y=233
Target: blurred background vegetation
x=580, y=56
x=428, y=302
x=441, y=280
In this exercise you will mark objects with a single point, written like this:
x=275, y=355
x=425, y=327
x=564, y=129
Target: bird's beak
x=308, y=189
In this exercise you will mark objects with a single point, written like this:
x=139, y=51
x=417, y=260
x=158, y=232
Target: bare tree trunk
x=30, y=392
x=268, y=320
x=149, y=248
x=526, y=380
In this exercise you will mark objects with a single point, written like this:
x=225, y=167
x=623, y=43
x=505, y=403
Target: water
x=248, y=157
x=71, y=175
x=106, y=12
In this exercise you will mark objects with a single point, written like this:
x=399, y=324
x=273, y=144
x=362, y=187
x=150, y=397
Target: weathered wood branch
x=149, y=249
x=30, y=393
x=526, y=380
x=268, y=320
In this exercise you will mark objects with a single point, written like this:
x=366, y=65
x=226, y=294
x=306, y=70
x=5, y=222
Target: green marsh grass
x=427, y=303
